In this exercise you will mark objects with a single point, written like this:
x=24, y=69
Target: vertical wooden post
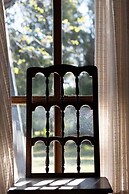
x=57, y=20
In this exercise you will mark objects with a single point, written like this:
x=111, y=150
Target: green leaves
x=30, y=25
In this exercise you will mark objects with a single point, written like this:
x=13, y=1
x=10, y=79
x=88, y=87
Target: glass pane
x=78, y=32
x=30, y=26
x=19, y=133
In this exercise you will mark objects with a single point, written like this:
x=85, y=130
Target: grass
x=38, y=165
x=87, y=160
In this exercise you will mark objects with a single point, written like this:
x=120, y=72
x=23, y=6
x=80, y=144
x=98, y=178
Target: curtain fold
x=112, y=60
x=6, y=137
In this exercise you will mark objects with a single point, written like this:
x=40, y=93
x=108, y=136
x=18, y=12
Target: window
x=43, y=33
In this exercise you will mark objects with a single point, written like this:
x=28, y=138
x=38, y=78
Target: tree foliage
x=30, y=25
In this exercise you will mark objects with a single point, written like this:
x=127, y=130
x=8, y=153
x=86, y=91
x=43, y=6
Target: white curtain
x=112, y=60
x=6, y=140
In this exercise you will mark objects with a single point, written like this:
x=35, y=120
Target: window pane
x=30, y=27
x=19, y=133
x=78, y=32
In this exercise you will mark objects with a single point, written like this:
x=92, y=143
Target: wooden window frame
x=57, y=48
x=57, y=41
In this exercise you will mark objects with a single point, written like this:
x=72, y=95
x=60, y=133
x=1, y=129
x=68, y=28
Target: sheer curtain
x=6, y=140
x=112, y=59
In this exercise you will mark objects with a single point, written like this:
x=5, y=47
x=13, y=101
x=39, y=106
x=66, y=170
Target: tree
x=30, y=29
x=78, y=39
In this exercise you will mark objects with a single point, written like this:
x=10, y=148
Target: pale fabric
x=113, y=67
x=18, y=133
x=6, y=140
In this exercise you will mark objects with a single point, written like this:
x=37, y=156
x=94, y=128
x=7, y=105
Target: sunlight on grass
x=86, y=157
x=87, y=165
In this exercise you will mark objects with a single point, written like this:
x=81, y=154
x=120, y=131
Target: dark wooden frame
x=76, y=101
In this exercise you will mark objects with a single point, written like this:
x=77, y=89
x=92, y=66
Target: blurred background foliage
x=30, y=26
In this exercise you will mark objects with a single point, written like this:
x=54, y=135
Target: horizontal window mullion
x=22, y=99
x=18, y=99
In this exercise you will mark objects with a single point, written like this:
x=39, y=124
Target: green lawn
x=38, y=164
x=87, y=160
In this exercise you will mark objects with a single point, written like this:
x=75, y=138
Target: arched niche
x=70, y=156
x=69, y=84
x=39, y=85
x=85, y=84
x=86, y=121
x=39, y=122
x=70, y=121
x=87, y=156
x=38, y=157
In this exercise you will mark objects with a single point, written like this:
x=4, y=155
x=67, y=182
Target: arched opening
x=38, y=157
x=70, y=156
x=85, y=84
x=87, y=157
x=70, y=121
x=38, y=85
x=69, y=84
x=39, y=122
x=86, y=121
